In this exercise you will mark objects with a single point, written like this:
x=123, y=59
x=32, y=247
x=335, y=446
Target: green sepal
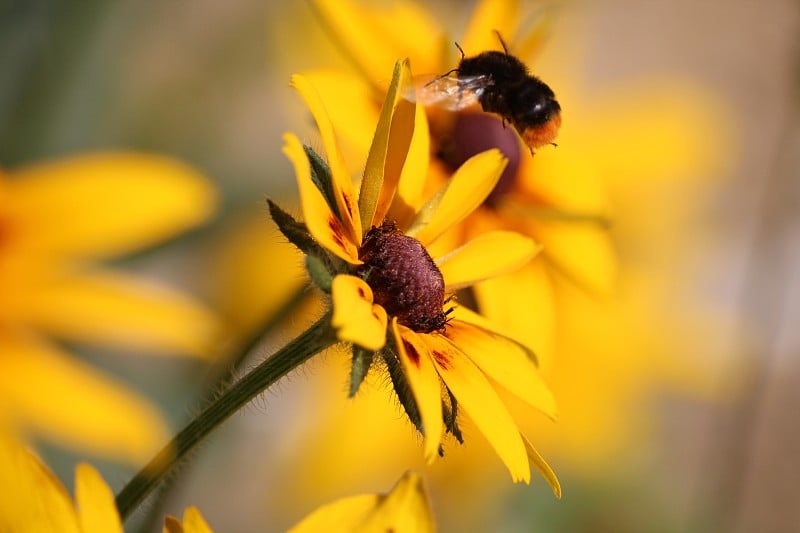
x=322, y=178
x=319, y=272
x=295, y=231
x=402, y=388
x=450, y=415
x=362, y=360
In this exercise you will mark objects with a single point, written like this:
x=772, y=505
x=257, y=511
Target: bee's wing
x=450, y=93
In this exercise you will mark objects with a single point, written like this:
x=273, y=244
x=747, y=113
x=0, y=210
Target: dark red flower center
x=404, y=278
x=475, y=132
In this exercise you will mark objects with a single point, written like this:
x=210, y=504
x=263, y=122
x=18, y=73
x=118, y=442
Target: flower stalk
x=315, y=339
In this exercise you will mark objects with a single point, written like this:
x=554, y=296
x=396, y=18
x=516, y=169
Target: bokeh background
x=709, y=229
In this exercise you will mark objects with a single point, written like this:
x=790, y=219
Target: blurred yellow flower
x=32, y=499
x=389, y=286
x=57, y=219
x=193, y=522
x=405, y=509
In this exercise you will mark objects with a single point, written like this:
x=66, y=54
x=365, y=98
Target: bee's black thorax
x=520, y=98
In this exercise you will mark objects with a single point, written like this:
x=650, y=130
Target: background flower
x=711, y=239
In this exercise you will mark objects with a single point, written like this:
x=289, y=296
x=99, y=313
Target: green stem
x=315, y=339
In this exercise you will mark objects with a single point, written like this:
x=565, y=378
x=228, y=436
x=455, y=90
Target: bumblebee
x=501, y=83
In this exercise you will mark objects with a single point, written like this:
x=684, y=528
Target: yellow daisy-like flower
x=32, y=499
x=56, y=220
x=405, y=509
x=554, y=197
x=389, y=295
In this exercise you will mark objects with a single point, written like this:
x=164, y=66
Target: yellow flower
x=193, y=522
x=389, y=295
x=405, y=509
x=554, y=197
x=57, y=219
x=636, y=140
x=32, y=499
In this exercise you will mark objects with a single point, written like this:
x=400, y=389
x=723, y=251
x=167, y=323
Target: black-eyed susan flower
x=57, y=221
x=555, y=197
x=392, y=300
x=633, y=140
x=405, y=509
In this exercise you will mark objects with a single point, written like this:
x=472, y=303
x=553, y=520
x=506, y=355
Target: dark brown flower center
x=474, y=133
x=404, y=279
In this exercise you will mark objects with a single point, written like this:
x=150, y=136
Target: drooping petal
x=478, y=399
x=113, y=309
x=322, y=223
x=468, y=264
x=355, y=318
x=466, y=190
x=67, y=401
x=390, y=145
x=542, y=467
x=373, y=38
x=342, y=184
x=107, y=204
x=504, y=362
x=424, y=382
x=31, y=496
x=487, y=17
x=94, y=502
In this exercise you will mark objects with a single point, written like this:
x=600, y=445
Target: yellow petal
x=108, y=203
x=542, y=467
x=504, y=362
x=352, y=107
x=523, y=303
x=468, y=264
x=387, y=155
x=424, y=382
x=193, y=521
x=374, y=38
x=478, y=399
x=172, y=525
x=408, y=197
x=112, y=309
x=341, y=516
x=342, y=183
x=326, y=228
x=73, y=405
x=31, y=497
x=487, y=17
x=96, y=509
x=355, y=318
x=465, y=191
x=405, y=510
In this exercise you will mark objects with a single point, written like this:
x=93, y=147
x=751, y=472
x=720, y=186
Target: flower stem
x=315, y=339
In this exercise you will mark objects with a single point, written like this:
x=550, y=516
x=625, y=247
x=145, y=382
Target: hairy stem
x=315, y=339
